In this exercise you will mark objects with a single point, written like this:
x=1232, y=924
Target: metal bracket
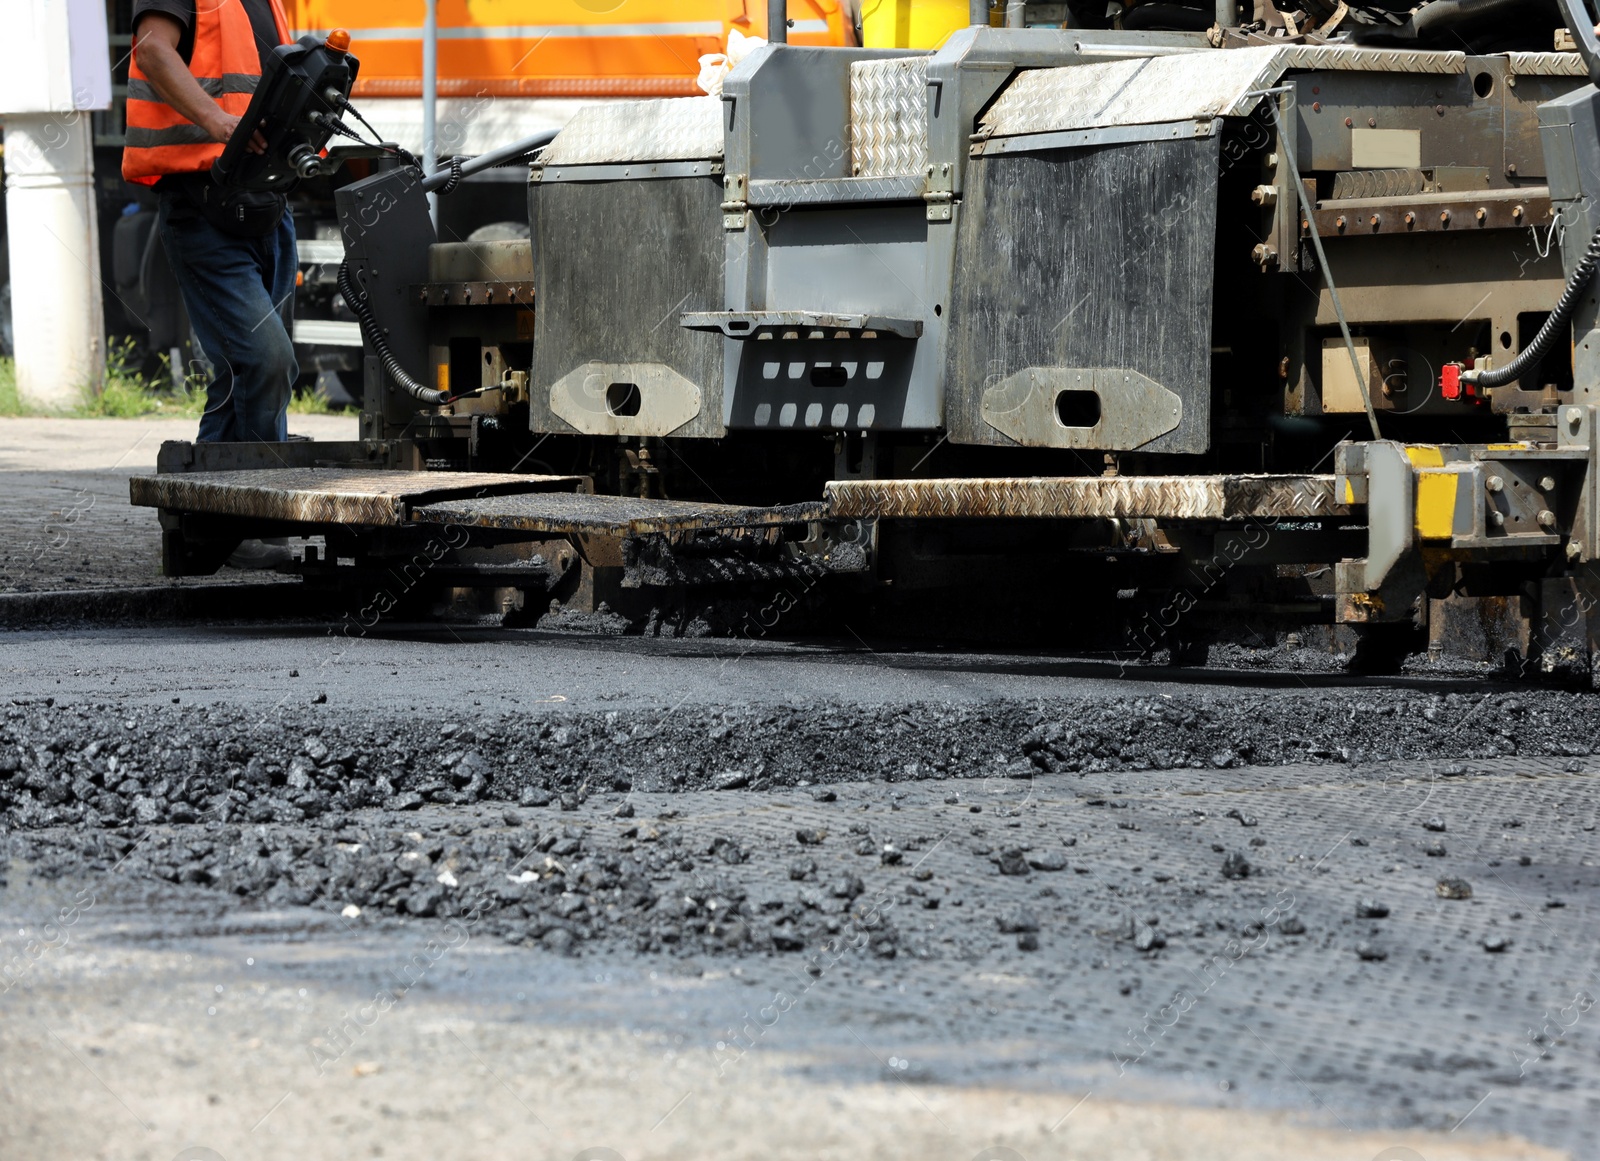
x=1458, y=502
x=939, y=191
x=1095, y=136
x=735, y=200
x=627, y=171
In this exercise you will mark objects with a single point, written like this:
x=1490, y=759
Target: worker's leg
x=237, y=293
x=270, y=370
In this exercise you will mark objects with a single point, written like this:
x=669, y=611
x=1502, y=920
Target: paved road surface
x=67, y=524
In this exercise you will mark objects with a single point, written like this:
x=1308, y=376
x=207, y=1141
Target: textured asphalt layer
x=1370, y=904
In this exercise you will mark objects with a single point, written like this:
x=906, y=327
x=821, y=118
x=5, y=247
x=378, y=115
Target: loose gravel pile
x=101, y=765
x=494, y=821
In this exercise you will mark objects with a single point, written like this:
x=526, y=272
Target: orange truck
x=555, y=48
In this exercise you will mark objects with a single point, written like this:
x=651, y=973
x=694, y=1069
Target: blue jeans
x=240, y=297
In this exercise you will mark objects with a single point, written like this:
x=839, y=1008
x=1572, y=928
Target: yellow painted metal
x=911, y=23
x=1425, y=455
x=1436, y=502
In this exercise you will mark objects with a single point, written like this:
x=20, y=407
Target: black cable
x=454, y=166
x=380, y=345
x=403, y=154
x=1533, y=354
x=332, y=123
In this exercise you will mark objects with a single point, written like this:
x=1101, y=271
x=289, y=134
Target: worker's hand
x=222, y=129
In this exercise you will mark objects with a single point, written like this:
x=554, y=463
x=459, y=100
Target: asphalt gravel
x=1210, y=883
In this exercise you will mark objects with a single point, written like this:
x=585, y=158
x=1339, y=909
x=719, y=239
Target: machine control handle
x=1581, y=24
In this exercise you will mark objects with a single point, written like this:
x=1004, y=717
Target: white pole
x=54, y=246
x=430, y=98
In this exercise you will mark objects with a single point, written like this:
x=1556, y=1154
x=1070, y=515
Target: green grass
x=127, y=394
x=10, y=401
x=312, y=403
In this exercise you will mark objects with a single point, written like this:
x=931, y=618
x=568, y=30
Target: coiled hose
x=357, y=301
x=1533, y=354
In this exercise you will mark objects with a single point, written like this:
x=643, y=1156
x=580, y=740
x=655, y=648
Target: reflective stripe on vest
x=227, y=65
x=143, y=90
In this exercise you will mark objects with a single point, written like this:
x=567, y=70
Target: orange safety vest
x=227, y=64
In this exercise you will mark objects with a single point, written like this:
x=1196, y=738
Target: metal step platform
x=1243, y=497
x=381, y=498
x=554, y=505
x=578, y=512
x=535, y=504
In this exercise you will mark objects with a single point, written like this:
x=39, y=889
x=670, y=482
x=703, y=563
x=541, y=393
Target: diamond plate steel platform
x=1090, y=497
x=1545, y=64
x=324, y=495
x=672, y=129
x=559, y=513
x=1187, y=87
x=889, y=116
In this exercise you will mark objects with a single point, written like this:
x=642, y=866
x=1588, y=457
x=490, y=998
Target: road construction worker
x=195, y=64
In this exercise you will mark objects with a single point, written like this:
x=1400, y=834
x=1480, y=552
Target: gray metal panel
x=869, y=261
x=1182, y=87
x=618, y=263
x=670, y=129
x=1094, y=258
x=384, y=224
x=794, y=122
x=884, y=188
x=889, y=116
x=849, y=261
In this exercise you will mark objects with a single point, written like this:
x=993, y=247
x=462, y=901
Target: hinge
x=735, y=191
x=937, y=191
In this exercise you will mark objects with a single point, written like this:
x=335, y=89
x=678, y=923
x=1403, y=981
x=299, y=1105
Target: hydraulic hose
x=1533, y=354
x=357, y=301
